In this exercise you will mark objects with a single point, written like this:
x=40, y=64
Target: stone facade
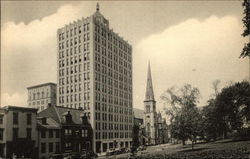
x=154, y=127
x=95, y=74
x=18, y=132
x=40, y=96
x=150, y=115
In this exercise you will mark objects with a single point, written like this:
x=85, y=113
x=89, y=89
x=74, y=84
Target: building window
x=68, y=132
x=67, y=145
x=57, y=147
x=1, y=134
x=57, y=134
x=51, y=147
x=50, y=133
x=15, y=118
x=43, y=147
x=28, y=119
x=15, y=133
x=43, y=134
x=1, y=119
x=29, y=130
x=84, y=133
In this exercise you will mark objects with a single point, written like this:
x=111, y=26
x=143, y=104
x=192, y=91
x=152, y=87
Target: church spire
x=97, y=7
x=149, y=90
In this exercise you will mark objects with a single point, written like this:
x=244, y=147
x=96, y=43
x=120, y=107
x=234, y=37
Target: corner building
x=95, y=74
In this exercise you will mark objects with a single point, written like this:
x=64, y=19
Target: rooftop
x=41, y=85
x=50, y=123
x=57, y=113
x=20, y=108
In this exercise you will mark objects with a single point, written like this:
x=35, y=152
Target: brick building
x=18, y=132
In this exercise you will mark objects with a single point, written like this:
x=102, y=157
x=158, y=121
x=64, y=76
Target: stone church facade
x=155, y=127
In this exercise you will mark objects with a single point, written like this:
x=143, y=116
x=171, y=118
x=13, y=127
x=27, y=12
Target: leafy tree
x=183, y=112
x=234, y=104
x=246, y=22
x=229, y=111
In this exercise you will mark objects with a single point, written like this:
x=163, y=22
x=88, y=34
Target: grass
x=224, y=149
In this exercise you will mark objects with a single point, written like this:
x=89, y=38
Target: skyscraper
x=95, y=74
x=150, y=117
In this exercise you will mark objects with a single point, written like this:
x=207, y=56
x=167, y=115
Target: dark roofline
x=69, y=108
x=10, y=107
x=40, y=85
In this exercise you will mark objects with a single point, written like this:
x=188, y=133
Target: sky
x=192, y=42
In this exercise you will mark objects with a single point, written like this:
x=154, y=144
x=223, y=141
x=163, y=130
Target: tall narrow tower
x=95, y=74
x=150, y=115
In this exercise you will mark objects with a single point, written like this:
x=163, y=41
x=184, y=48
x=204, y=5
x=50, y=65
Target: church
x=155, y=128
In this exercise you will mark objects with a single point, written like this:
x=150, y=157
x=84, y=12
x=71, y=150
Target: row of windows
x=113, y=38
x=70, y=53
x=72, y=42
x=75, y=69
x=111, y=135
x=74, y=60
x=75, y=98
x=39, y=102
x=86, y=76
x=82, y=132
x=117, y=118
x=123, y=89
x=103, y=97
x=122, y=58
x=84, y=106
x=39, y=95
x=16, y=118
x=104, y=107
x=123, y=73
x=15, y=133
x=74, y=31
x=51, y=147
x=74, y=88
x=51, y=134
x=76, y=50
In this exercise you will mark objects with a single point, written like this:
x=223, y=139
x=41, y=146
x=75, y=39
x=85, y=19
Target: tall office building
x=95, y=74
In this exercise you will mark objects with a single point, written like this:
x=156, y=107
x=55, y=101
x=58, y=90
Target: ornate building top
x=149, y=90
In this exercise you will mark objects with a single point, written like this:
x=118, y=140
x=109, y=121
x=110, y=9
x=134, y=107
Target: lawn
x=225, y=149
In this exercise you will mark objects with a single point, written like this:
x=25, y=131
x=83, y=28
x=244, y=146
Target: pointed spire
x=149, y=89
x=97, y=7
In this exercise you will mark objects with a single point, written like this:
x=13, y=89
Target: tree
x=183, y=112
x=234, y=104
x=228, y=112
x=210, y=116
x=246, y=22
x=211, y=122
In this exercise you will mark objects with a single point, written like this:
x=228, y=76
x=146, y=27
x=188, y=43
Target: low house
x=75, y=129
x=49, y=138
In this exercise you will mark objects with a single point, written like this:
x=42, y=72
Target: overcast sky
x=186, y=42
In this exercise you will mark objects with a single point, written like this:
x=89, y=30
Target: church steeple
x=149, y=90
x=97, y=7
